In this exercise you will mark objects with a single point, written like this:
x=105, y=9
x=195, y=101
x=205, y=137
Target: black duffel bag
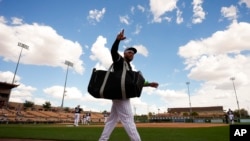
x=116, y=85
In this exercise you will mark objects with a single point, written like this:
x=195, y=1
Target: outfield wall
x=194, y=120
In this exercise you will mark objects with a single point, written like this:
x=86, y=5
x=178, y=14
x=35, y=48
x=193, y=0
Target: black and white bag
x=122, y=84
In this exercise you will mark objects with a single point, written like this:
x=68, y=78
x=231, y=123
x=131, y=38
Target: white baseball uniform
x=77, y=115
x=121, y=110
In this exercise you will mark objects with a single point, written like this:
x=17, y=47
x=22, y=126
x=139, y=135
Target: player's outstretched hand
x=121, y=36
x=153, y=84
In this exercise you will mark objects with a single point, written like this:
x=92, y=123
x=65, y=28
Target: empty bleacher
x=17, y=114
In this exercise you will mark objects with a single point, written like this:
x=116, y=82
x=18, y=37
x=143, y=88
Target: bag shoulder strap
x=123, y=77
x=124, y=71
x=105, y=80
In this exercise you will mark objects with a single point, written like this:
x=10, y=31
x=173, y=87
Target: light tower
x=22, y=47
x=69, y=64
x=237, y=101
x=190, y=108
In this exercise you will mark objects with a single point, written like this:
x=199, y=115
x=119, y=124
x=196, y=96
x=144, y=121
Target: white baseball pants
x=121, y=110
x=77, y=117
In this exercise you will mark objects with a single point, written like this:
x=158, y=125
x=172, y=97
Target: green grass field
x=92, y=133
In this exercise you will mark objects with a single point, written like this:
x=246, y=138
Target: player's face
x=129, y=55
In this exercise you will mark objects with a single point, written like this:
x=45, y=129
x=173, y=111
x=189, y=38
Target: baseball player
x=84, y=119
x=231, y=116
x=77, y=115
x=88, y=118
x=121, y=109
x=105, y=117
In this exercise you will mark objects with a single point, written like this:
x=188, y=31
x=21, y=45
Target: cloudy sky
x=204, y=42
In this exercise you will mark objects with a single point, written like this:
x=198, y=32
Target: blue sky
x=204, y=42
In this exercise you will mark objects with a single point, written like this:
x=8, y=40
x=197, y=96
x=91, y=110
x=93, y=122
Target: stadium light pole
x=22, y=47
x=190, y=108
x=237, y=101
x=69, y=64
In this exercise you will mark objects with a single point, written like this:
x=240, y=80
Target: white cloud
x=124, y=19
x=2, y=20
x=141, y=8
x=171, y=95
x=22, y=93
x=139, y=106
x=214, y=60
x=229, y=12
x=237, y=35
x=41, y=101
x=141, y=50
x=8, y=77
x=179, y=18
x=54, y=91
x=96, y=15
x=17, y=21
x=46, y=47
x=57, y=92
x=138, y=29
x=132, y=9
x=160, y=7
x=101, y=53
x=199, y=14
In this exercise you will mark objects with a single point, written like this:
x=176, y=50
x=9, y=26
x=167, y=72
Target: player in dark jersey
x=77, y=115
x=121, y=109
